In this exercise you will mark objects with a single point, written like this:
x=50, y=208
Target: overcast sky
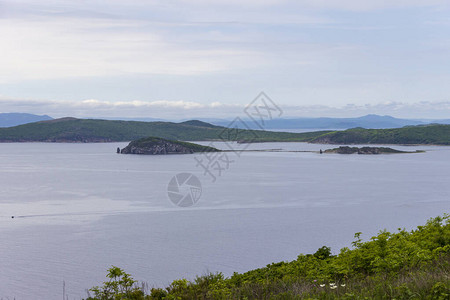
x=199, y=58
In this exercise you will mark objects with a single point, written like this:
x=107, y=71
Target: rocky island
x=366, y=150
x=157, y=146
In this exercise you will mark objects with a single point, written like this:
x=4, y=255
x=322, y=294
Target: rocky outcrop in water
x=158, y=146
x=364, y=150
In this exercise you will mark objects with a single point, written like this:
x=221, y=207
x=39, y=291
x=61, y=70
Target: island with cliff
x=367, y=150
x=158, y=146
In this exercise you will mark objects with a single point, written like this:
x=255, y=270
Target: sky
x=178, y=59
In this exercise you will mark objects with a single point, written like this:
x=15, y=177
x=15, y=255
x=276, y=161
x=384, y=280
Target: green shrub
x=401, y=265
x=120, y=286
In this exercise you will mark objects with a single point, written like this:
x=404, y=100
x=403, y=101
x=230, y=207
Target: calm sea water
x=80, y=208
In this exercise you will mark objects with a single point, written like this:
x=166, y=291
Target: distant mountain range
x=368, y=121
x=14, y=119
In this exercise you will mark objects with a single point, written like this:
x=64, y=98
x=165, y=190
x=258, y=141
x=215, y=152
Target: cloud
x=323, y=51
x=176, y=110
x=100, y=108
x=369, y=5
x=41, y=48
x=69, y=39
x=93, y=103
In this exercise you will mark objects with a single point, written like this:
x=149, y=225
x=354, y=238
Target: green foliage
x=120, y=286
x=423, y=134
x=402, y=265
x=440, y=291
x=323, y=253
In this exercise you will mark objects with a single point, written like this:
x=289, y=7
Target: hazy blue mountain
x=442, y=121
x=371, y=121
x=14, y=119
x=368, y=121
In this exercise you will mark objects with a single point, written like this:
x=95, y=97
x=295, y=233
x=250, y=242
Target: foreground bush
x=403, y=265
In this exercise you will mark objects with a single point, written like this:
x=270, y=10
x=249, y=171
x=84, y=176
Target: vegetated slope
x=422, y=134
x=91, y=130
x=402, y=265
x=155, y=145
x=199, y=124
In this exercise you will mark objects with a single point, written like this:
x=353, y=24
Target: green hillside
x=422, y=134
x=91, y=130
x=391, y=265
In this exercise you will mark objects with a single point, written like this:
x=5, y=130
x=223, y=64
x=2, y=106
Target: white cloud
x=67, y=39
x=357, y=5
x=59, y=48
x=188, y=109
x=302, y=50
x=101, y=108
x=349, y=5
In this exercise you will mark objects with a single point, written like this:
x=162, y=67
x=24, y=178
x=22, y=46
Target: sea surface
x=80, y=208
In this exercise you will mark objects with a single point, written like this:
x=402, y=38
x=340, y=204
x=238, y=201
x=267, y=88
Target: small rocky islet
x=366, y=150
x=160, y=146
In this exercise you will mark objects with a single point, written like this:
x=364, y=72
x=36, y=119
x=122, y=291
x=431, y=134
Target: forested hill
x=92, y=130
x=423, y=134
